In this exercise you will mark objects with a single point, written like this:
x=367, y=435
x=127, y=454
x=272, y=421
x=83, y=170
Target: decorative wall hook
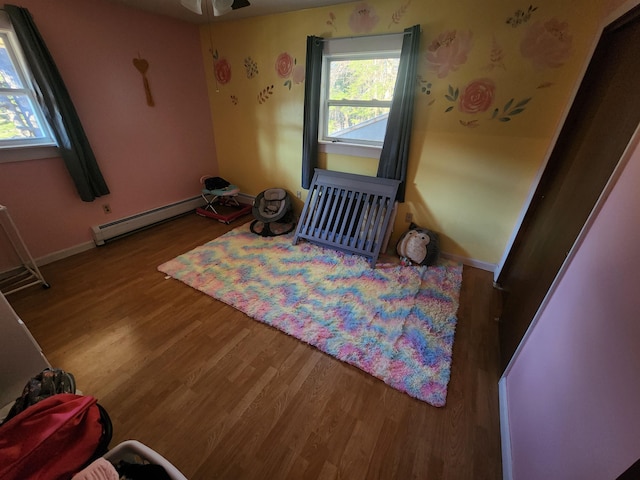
x=142, y=66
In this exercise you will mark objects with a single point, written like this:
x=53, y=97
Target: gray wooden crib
x=347, y=212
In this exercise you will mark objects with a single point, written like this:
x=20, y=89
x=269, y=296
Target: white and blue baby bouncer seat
x=216, y=191
x=273, y=213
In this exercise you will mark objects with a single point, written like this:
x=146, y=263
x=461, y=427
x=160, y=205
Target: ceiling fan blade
x=194, y=5
x=239, y=4
x=220, y=7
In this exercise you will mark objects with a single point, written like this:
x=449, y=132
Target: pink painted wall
x=149, y=156
x=573, y=390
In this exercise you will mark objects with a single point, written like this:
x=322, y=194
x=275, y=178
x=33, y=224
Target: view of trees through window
x=18, y=120
x=360, y=94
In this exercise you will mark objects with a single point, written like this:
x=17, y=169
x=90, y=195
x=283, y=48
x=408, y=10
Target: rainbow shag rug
x=396, y=323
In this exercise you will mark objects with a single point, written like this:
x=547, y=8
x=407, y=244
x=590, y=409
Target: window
x=22, y=123
x=358, y=96
x=358, y=80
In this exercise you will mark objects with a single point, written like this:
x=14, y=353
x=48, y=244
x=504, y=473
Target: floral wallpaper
x=251, y=67
x=545, y=43
x=287, y=67
x=448, y=51
x=363, y=19
x=521, y=16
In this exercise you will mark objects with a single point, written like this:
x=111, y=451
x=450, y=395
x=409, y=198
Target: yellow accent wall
x=494, y=80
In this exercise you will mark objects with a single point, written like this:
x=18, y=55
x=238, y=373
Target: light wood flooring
x=225, y=397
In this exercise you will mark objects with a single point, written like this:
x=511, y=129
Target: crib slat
x=328, y=212
x=368, y=227
x=377, y=234
x=317, y=212
x=329, y=231
x=344, y=218
x=307, y=211
x=362, y=213
x=354, y=224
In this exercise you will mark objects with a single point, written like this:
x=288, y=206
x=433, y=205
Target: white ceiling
x=173, y=8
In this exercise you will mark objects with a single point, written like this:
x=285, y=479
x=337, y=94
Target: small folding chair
x=225, y=195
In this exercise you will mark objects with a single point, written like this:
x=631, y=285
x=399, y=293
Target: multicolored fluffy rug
x=396, y=323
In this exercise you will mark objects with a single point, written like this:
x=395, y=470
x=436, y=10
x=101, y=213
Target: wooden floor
x=223, y=396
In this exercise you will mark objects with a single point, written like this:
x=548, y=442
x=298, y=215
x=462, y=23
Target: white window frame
x=352, y=48
x=28, y=148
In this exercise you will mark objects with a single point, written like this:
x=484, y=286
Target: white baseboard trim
x=50, y=258
x=67, y=252
x=126, y=225
x=489, y=267
x=246, y=199
x=83, y=247
x=505, y=436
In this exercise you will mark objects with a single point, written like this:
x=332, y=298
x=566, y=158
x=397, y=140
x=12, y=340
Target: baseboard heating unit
x=124, y=226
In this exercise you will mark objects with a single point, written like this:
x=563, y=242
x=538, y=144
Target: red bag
x=53, y=439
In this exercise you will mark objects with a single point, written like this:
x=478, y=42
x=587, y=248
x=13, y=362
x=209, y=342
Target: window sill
x=342, y=148
x=19, y=154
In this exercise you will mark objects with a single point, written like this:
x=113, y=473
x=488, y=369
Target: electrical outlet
x=408, y=217
x=106, y=208
x=299, y=194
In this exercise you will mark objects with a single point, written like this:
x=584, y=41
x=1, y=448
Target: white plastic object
x=134, y=447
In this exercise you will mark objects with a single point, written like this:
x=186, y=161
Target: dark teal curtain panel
x=58, y=108
x=313, y=76
x=395, y=150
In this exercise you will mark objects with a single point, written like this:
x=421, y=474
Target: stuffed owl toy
x=418, y=246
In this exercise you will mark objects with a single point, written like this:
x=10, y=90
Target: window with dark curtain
x=58, y=108
x=395, y=149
